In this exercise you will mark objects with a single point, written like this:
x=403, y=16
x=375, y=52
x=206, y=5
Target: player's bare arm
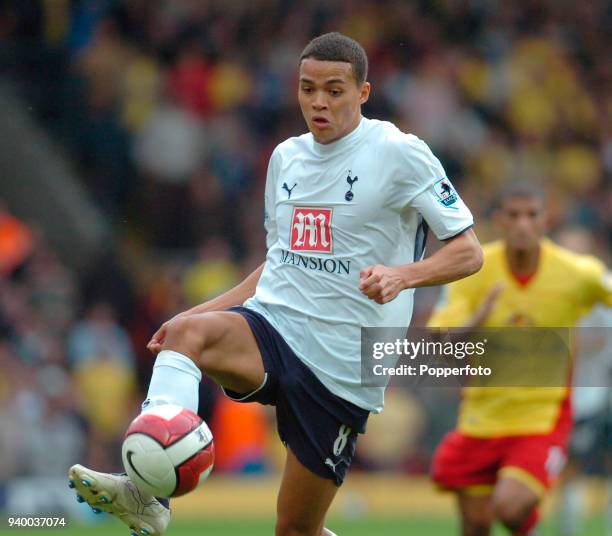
x=235, y=296
x=460, y=257
x=485, y=309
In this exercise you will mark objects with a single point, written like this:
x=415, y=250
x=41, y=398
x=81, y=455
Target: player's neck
x=523, y=261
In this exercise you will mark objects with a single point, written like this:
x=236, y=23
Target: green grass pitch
x=358, y=527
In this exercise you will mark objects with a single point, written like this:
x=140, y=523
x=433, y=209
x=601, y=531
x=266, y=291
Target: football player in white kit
x=347, y=209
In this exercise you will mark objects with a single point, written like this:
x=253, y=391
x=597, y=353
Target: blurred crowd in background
x=168, y=112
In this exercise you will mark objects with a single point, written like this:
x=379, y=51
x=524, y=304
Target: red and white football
x=168, y=451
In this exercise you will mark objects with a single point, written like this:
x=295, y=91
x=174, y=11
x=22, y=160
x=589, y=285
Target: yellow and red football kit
x=518, y=431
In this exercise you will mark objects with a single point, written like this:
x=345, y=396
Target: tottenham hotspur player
x=348, y=206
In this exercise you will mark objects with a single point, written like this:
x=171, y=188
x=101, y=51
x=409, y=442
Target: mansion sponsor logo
x=311, y=230
x=331, y=266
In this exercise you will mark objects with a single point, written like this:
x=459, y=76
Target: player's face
x=330, y=98
x=522, y=221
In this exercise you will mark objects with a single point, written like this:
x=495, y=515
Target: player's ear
x=365, y=92
x=547, y=219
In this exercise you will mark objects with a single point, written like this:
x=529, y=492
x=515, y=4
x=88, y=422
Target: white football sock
x=572, y=508
x=175, y=380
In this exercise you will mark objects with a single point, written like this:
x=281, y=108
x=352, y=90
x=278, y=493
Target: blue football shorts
x=319, y=427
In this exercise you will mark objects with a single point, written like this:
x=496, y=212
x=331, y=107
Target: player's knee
x=512, y=513
x=188, y=335
x=476, y=524
x=184, y=334
x=287, y=526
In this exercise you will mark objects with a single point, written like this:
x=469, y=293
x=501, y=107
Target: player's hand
x=157, y=341
x=380, y=283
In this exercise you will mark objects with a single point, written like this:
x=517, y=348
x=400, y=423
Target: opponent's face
x=522, y=221
x=330, y=98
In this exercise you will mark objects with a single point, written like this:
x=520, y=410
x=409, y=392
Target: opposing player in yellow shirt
x=510, y=442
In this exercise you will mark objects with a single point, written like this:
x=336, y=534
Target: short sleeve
x=598, y=281
x=270, y=199
x=423, y=185
x=607, y=288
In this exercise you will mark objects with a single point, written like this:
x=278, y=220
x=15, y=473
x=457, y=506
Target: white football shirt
x=332, y=210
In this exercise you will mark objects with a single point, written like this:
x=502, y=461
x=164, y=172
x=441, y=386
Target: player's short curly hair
x=520, y=188
x=335, y=46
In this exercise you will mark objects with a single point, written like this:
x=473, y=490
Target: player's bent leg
x=514, y=504
x=222, y=345
x=467, y=466
x=303, y=501
x=117, y=495
x=476, y=513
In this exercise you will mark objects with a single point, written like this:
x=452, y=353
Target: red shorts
x=474, y=464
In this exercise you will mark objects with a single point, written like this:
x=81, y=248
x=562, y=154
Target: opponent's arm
x=235, y=296
x=484, y=310
x=460, y=257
